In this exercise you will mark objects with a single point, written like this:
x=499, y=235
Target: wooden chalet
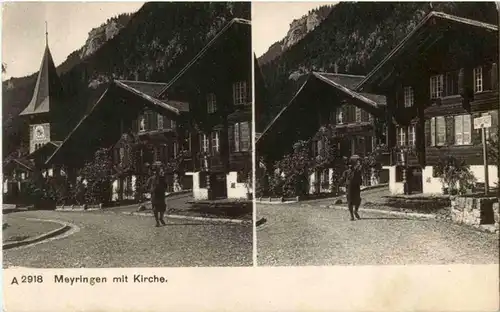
x=217, y=84
x=325, y=102
x=436, y=81
x=204, y=114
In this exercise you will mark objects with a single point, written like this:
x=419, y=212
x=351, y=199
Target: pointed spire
x=48, y=85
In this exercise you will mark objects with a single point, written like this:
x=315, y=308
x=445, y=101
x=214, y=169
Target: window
x=175, y=149
x=204, y=143
x=241, y=136
x=478, y=79
x=211, y=103
x=438, y=131
x=408, y=94
x=215, y=142
x=142, y=123
x=160, y=121
x=357, y=112
x=436, y=86
x=401, y=136
x=240, y=93
x=462, y=130
x=412, y=135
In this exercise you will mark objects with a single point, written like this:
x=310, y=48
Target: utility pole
x=497, y=3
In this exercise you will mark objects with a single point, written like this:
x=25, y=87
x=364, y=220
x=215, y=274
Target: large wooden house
x=198, y=124
x=217, y=84
x=441, y=77
x=331, y=117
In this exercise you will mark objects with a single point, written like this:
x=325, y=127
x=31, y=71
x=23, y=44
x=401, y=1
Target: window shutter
x=450, y=133
x=432, y=131
x=237, y=132
x=245, y=136
x=459, y=139
x=494, y=77
x=230, y=135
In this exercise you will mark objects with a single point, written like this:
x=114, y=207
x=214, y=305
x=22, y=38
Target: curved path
x=116, y=240
x=299, y=235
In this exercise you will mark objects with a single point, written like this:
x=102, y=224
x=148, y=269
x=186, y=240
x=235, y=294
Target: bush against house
x=455, y=175
x=98, y=174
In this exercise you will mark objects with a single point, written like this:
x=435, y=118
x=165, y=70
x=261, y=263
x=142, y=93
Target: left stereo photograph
x=127, y=134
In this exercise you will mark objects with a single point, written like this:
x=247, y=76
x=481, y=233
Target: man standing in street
x=157, y=187
x=352, y=180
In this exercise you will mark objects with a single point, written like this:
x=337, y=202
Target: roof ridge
x=202, y=52
x=141, y=81
x=339, y=74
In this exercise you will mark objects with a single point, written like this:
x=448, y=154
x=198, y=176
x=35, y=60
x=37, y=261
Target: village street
x=118, y=240
x=308, y=234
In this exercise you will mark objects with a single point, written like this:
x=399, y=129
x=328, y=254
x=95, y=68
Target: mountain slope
x=156, y=43
x=299, y=28
x=354, y=37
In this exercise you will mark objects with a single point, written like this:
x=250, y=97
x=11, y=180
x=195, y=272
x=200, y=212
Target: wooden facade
x=442, y=76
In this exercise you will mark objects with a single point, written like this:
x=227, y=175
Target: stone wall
x=474, y=211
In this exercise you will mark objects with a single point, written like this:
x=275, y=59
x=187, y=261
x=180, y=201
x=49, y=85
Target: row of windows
x=462, y=131
x=350, y=113
x=446, y=85
x=150, y=121
x=241, y=139
x=240, y=96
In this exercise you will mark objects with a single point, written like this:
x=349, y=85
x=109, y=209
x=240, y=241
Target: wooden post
x=485, y=160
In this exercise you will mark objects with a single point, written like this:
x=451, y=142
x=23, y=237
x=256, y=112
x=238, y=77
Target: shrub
x=455, y=175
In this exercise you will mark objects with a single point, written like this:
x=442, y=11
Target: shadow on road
x=389, y=218
x=207, y=223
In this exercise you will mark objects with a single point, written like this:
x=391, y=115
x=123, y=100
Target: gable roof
x=120, y=86
x=372, y=103
x=203, y=51
x=152, y=89
x=48, y=147
x=25, y=163
x=47, y=86
x=404, y=45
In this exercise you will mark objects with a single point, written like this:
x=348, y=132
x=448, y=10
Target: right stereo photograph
x=376, y=133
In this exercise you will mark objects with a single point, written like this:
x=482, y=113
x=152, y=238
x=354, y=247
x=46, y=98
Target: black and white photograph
x=377, y=137
x=127, y=134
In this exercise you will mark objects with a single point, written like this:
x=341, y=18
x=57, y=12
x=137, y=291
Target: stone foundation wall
x=474, y=211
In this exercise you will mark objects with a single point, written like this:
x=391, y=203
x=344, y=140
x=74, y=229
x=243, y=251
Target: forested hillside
x=355, y=36
x=155, y=44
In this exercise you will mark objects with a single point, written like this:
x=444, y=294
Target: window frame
x=412, y=135
x=238, y=135
x=478, y=73
x=436, y=86
x=435, y=131
x=240, y=95
x=205, y=143
x=460, y=120
x=409, y=96
x=401, y=136
x=215, y=142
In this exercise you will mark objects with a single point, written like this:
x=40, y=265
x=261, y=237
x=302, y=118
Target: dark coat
x=157, y=188
x=352, y=179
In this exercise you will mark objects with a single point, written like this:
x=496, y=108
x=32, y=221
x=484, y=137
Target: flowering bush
x=455, y=175
x=98, y=174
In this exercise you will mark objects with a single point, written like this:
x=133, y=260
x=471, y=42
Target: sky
x=23, y=30
x=271, y=21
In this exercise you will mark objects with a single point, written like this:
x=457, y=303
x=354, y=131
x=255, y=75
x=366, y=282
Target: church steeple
x=48, y=85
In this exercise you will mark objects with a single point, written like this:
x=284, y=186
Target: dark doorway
x=218, y=185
